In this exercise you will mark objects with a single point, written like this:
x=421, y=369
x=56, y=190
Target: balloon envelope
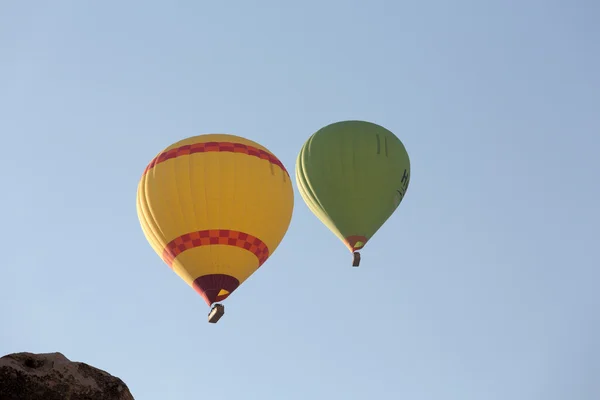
x=215, y=207
x=353, y=175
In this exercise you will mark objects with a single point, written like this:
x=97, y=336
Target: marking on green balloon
x=405, y=179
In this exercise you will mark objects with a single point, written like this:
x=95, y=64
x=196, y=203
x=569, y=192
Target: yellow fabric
x=215, y=190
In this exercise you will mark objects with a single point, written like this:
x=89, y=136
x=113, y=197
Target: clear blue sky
x=491, y=262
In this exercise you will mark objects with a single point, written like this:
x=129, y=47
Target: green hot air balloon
x=353, y=175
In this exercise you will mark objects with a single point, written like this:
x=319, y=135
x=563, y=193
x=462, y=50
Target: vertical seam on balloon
x=304, y=192
x=354, y=169
x=309, y=191
x=160, y=200
x=147, y=229
x=307, y=184
x=385, y=145
x=211, y=237
x=152, y=225
x=147, y=224
x=146, y=208
x=218, y=265
x=235, y=187
x=206, y=209
x=190, y=180
x=318, y=211
x=254, y=219
x=175, y=179
x=378, y=144
x=160, y=234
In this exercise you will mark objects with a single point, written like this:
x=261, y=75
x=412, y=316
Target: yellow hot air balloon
x=215, y=207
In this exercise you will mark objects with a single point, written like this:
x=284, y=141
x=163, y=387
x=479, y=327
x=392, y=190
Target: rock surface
x=28, y=376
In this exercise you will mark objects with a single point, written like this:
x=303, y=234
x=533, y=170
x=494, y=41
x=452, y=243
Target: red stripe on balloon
x=215, y=147
x=215, y=237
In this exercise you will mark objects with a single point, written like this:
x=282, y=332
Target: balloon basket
x=216, y=313
x=356, y=261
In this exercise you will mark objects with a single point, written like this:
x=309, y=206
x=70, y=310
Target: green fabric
x=353, y=175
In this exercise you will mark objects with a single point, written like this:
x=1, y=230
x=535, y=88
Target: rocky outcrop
x=28, y=376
